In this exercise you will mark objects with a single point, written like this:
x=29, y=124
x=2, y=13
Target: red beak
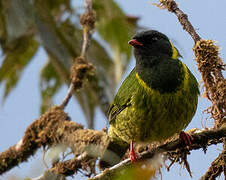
x=134, y=42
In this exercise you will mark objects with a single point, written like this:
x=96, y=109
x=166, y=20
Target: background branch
x=52, y=128
x=78, y=74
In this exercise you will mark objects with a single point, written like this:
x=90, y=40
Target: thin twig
x=85, y=43
x=87, y=34
x=88, y=26
x=68, y=96
x=172, y=6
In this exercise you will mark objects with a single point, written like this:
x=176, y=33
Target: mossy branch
x=209, y=64
x=201, y=141
x=52, y=128
x=172, y=6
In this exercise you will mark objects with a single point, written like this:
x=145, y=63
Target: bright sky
x=22, y=105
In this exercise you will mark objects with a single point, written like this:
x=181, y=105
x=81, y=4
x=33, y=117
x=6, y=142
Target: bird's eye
x=154, y=38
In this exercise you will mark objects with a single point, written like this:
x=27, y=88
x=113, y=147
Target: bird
x=156, y=100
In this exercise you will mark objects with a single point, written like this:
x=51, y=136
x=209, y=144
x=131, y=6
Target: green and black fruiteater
x=157, y=99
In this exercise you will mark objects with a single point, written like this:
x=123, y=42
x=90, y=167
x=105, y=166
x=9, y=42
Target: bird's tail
x=113, y=154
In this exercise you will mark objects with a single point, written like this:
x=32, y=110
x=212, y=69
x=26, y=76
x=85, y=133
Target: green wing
x=123, y=97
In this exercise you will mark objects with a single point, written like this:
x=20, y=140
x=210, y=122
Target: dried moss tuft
x=169, y=4
x=91, y=141
x=88, y=19
x=218, y=109
x=220, y=94
x=207, y=56
x=42, y=132
x=210, y=66
x=87, y=143
x=79, y=71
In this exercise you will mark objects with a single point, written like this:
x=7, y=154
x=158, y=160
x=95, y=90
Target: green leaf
x=51, y=38
x=58, y=7
x=50, y=83
x=15, y=61
x=135, y=171
x=88, y=104
x=18, y=17
x=3, y=32
x=103, y=63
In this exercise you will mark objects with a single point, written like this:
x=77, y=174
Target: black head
x=151, y=43
x=155, y=61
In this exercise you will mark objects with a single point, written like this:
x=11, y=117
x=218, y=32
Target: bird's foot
x=132, y=153
x=186, y=138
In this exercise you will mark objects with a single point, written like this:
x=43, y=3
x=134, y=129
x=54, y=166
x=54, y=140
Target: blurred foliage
x=144, y=171
x=54, y=25
x=15, y=60
x=50, y=83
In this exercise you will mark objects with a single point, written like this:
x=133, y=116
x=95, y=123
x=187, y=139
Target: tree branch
x=53, y=127
x=201, y=141
x=171, y=5
x=210, y=66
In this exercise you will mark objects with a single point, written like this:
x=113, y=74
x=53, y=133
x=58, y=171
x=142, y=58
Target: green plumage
x=140, y=114
x=157, y=99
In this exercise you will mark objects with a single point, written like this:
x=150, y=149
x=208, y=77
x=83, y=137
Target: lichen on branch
x=52, y=128
x=210, y=66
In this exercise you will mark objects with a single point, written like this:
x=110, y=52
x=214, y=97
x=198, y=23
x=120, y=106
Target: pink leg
x=187, y=139
x=132, y=154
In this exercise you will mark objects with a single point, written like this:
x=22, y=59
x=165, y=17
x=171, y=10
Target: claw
x=187, y=139
x=132, y=154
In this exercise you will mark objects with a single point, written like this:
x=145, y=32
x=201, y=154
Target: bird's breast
x=166, y=76
x=153, y=115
